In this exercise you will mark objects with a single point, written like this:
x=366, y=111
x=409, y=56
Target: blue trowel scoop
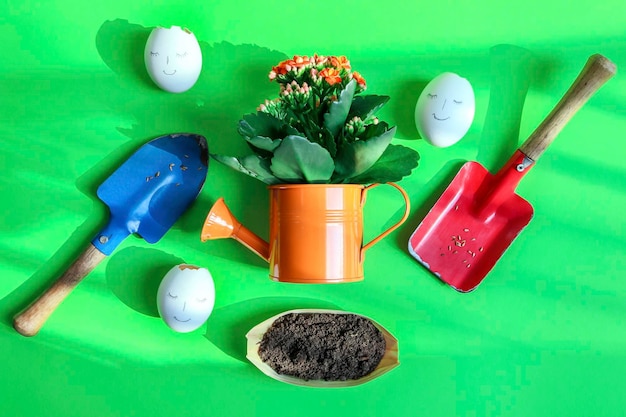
x=145, y=196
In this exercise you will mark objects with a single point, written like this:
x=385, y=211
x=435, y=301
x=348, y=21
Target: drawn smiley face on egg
x=186, y=297
x=173, y=58
x=445, y=110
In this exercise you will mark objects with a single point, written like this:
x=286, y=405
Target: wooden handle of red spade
x=595, y=73
x=30, y=321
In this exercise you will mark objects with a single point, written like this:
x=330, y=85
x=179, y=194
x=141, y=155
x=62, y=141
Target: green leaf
x=300, y=161
x=366, y=106
x=264, y=124
x=356, y=157
x=328, y=141
x=338, y=111
x=394, y=164
x=264, y=143
x=251, y=165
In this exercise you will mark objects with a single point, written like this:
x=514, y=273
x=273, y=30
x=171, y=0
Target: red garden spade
x=479, y=215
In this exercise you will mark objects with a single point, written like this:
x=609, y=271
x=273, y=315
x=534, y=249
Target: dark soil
x=322, y=346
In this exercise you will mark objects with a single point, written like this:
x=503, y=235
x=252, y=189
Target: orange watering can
x=316, y=231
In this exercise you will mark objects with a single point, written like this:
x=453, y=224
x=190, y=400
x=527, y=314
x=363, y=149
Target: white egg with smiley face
x=173, y=58
x=186, y=297
x=445, y=110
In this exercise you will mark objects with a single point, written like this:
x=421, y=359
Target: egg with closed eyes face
x=173, y=58
x=186, y=297
x=445, y=110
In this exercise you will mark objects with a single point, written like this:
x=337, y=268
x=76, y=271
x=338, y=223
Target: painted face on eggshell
x=186, y=297
x=445, y=110
x=173, y=58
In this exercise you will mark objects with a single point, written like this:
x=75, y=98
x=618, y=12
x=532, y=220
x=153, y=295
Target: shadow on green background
x=403, y=105
x=511, y=72
x=134, y=275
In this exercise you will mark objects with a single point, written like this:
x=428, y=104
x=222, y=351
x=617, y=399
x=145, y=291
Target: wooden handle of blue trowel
x=595, y=73
x=33, y=318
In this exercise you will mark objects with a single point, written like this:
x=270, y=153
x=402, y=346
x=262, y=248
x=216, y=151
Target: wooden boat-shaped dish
x=255, y=335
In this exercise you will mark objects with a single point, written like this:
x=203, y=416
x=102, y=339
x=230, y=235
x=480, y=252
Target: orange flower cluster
x=359, y=79
x=331, y=75
x=340, y=62
x=288, y=65
x=332, y=69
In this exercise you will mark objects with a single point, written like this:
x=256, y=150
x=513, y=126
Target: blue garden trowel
x=145, y=195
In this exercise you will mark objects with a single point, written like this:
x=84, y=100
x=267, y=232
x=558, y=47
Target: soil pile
x=322, y=346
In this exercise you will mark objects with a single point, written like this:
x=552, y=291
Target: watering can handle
x=407, y=207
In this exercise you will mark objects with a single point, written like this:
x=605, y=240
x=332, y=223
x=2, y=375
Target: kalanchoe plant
x=320, y=130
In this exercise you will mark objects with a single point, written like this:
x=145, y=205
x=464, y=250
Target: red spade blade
x=463, y=235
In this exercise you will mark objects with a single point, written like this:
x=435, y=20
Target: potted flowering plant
x=320, y=130
x=317, y=146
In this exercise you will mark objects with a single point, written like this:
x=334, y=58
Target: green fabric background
x=542, y=336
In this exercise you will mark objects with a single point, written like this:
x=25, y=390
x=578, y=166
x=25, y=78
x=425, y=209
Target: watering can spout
x=220, y=223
